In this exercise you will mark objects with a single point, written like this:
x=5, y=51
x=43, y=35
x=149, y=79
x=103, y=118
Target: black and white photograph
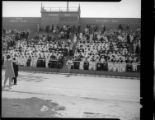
x=65, y=59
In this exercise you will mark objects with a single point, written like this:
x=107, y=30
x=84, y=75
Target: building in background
x=60, y=16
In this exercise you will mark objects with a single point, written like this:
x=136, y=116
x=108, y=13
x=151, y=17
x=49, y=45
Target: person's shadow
x=6, y=88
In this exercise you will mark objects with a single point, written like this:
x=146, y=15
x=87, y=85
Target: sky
x=123, y=9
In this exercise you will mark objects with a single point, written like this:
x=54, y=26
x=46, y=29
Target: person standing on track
x=9, y=71
x=15, y=67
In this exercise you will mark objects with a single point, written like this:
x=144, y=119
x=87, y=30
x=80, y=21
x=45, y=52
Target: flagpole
x=67, y=5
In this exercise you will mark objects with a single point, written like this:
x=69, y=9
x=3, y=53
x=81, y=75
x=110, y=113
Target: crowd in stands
x=38, y=51
x=9, y=38
x=113, y=50
x=95, y=48
x=61, y=29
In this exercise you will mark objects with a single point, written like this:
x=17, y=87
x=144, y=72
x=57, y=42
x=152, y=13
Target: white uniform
x=18, y=60
x=134, y=66
x=25, y=61
x=110, y=66
x=47, y=61
x=81, y=65
x=90, y=65
x=69, y=64
x=114, y=67
x=33, y=62
x=119, y=66
x=123, y=67
x=94, y=65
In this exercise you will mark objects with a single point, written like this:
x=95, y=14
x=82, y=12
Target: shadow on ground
x=30, y=107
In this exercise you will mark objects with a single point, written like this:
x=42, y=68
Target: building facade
x=61, y=16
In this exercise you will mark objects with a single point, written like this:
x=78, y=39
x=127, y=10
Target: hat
x=14, y=59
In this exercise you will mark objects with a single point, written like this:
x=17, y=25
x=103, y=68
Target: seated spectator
x=82, y=64
x=110, y=65
x=86, y=64
x=102, y=46
x=134, y=66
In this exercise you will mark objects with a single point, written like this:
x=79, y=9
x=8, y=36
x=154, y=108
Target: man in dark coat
x=15, y=67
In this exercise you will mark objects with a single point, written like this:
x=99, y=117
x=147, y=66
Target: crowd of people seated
x=9, y=37
x=95, y=48
x=108, y=50
x=39, y=51
x=62, y=30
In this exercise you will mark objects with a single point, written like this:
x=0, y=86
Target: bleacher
x=59, y=66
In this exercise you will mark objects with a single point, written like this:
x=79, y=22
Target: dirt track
x=82, y=96
x=30, y=107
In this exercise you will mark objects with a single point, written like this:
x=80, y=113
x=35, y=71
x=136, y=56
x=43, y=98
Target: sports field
x=77, y=96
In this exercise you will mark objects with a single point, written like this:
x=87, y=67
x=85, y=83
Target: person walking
x=9, y=72
x=15, y=67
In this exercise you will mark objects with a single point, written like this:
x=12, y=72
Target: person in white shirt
x=90, y=64
x=110, y=65
x=123, y=66
x=35, y=60
x=82, y=64
x=86, y=30
x=25, y=60
x=69, y=64
x=119, y=66
x=102, y=59
x=32, y=61
x=47, y=60
x=19, y=59
x=134, y=66
x=114, y=66
x=81, y=35
x=94, y=65
x=97, y=58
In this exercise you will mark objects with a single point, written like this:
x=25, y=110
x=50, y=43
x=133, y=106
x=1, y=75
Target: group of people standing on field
x=11, y=71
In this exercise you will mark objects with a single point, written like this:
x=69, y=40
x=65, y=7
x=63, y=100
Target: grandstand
x=90, y=66
x=61, y=34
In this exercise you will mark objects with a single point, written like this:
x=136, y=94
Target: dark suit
x=15, y=67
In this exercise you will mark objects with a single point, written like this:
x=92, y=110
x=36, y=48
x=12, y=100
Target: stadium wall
x=55, y=18
x=21, y=23
x=112, y=22
x=31, y=23
x=48, y=19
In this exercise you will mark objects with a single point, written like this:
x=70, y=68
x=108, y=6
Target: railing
x=56, y=9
